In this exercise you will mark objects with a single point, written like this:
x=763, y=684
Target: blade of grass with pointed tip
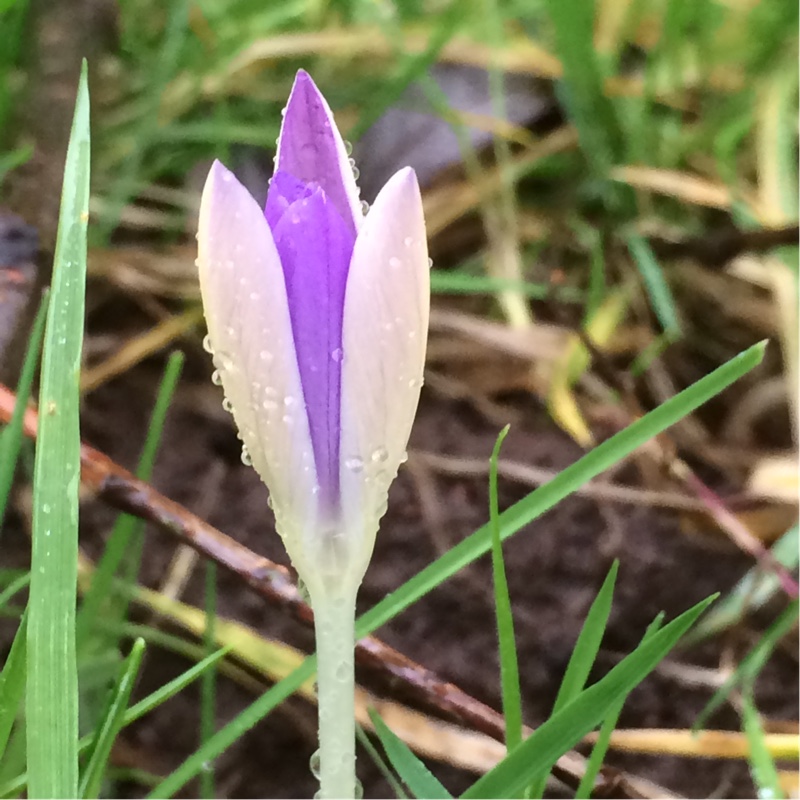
x=52, y=682
x=12, y=682
x=17, y=585
x=563, y=730
x=753, y=662
x=419, y=779
x=655, y=283
x=11, y=436
x=752, y=591
x=598, y=754
x=583, y=657
x=138, y=710
x=126, y=527
x=110, y=723
x=567, y=481
x=762, y=767
x=511, y=520
x=507, y=646
x=377, y=759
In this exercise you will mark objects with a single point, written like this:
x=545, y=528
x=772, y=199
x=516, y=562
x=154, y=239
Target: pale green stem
x=334, y=626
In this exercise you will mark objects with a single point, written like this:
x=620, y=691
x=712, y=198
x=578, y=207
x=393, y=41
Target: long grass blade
x=12, y=682
x=111, y=723
x=583, y=656
x=563, y=730
x=52, y=685
x=762, y=767
x=507, y=645
x=419, y=779
x=11, y=436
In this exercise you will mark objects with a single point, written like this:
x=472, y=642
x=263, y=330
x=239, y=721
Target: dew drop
x=227, y=405
x=314, y=764
x=207, y=346
x=395, y=262
x=254, y=296
x=358, y=791
x=379, y=455
x=356, y=173
x=337, y=354
x=404, y=457
x=354, y=464
x=348, y=147
x=289, y=401
x=364, y=207
x=265, y=356
x=270, y=504
x=408, y=241
x=430, y=263
x=246, y=459
x=216, y=378
x=46, y=508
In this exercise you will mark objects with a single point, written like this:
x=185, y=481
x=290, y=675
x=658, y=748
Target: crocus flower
x=317, y=313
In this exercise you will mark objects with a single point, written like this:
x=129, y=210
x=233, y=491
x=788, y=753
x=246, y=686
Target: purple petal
x=311, y=149
x=250, y=328
x=284, y=189
x=315, y=246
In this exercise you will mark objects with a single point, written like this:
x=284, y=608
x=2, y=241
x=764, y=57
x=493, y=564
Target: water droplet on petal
x=314, y=764
x=216, y=378
x=246, y=459
x=408, y=241
x=265, y=356
x=364, y=207
x=227, y=405
x=354, y=464
x=348, y=148
x=430, y=263
x=395, y=262
x=207, y=346
x=338, y=354
x=379, y=455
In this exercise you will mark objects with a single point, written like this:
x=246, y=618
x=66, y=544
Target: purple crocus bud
x=318, y=320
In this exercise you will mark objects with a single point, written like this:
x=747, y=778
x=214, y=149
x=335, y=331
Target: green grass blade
x=762, y=767
x=588, y=645
x=655, y=283
x=752, y=591
x=127, y=526
x=563, y=730
x=111, y=723
x=377, y=759
x=588, y=107
x=11, y=436
x=598, y=754
x=509, y=669
x=52, y=685
x=753, y=662
x=236, y=728
x=138, y=710
x=208, y=689
x=411, y=770
x=545, y=497
x=17, y=585
x=583, y=656
x=12, y=683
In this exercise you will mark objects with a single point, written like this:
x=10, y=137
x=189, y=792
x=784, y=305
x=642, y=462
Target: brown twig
x=118, y=487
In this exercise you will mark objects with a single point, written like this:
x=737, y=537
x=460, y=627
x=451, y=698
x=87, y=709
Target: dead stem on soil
x=120, y=489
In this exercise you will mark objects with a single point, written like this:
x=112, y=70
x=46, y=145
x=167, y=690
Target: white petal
x=385, y=330
x=244, y=299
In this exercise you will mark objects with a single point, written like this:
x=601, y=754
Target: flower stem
x=334, y=626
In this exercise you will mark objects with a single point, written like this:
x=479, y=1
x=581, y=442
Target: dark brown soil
x=555, y=567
